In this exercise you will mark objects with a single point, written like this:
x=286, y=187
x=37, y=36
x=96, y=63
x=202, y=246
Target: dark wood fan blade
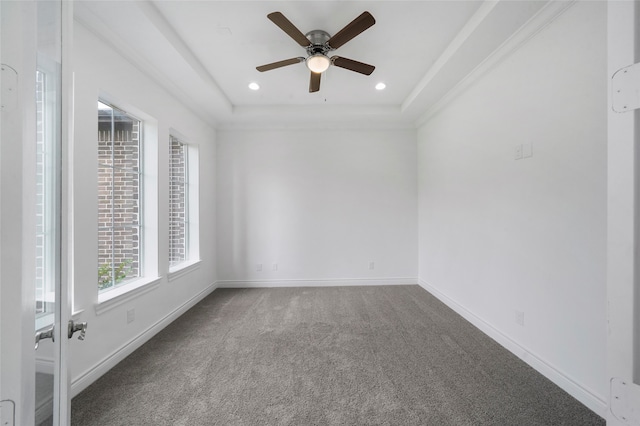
x=314, y=82
x=285, y=25
x=279, y=64
x=352, y=65
x=358, y=25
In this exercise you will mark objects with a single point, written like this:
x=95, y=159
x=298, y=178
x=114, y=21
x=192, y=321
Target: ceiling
x=206, y=52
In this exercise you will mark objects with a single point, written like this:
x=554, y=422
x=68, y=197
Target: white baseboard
x=589, y=398
x=44, y=393
x=334, y=282
x=44, y=410
x=44, y=365
x=88, y=377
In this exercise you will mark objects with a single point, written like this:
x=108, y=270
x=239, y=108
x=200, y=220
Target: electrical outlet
x=131, y=315
x=518, y=152
x=259, y=267
x=372, y=266
x=520, y=318
x=274, y=267
x=527, y=150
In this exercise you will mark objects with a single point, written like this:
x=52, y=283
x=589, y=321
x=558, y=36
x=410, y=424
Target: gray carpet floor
x=388, y=355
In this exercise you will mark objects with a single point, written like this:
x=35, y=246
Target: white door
x=34, y=296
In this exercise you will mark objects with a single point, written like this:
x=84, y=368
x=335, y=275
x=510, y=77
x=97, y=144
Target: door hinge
x=9, y=92
x=7, y=412
x=625, y=401
x=625, y=86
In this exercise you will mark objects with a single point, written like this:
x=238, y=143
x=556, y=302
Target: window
x=184, y=230
x=178, y=202
x=46, y=191
x=119, y=197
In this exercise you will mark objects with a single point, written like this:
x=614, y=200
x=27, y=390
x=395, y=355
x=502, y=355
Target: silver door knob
x=73, y=327
x=44, y=334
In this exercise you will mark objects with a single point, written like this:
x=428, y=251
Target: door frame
x=62, y=374
x=623, y=201
x=19, y=50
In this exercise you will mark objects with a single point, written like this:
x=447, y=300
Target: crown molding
x=545, y=16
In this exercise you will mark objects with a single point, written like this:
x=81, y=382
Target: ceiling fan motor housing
x=318, y=39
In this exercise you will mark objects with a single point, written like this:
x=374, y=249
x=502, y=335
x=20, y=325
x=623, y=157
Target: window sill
x=44, y=321
x=119, y=295
x=183, y=268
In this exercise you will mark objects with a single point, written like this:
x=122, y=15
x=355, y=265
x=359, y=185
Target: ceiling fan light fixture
x=317, y=44
x=318, y=63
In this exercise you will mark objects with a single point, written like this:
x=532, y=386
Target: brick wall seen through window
x=119, y=197
x=178, y=202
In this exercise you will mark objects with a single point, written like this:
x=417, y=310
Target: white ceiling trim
x=115, y=42
x=450, y=51
x=317, y=117
x=533, y=26
x=162, y=53
x=160, y=22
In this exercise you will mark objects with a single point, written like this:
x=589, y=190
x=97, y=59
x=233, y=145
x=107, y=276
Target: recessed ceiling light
x=254, y=86
x=380, y=86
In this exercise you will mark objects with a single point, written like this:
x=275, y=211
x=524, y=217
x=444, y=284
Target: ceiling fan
x=318, y=43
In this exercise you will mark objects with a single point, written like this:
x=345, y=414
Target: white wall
x=499, y=235
x=99, y=70
x=321, y=204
